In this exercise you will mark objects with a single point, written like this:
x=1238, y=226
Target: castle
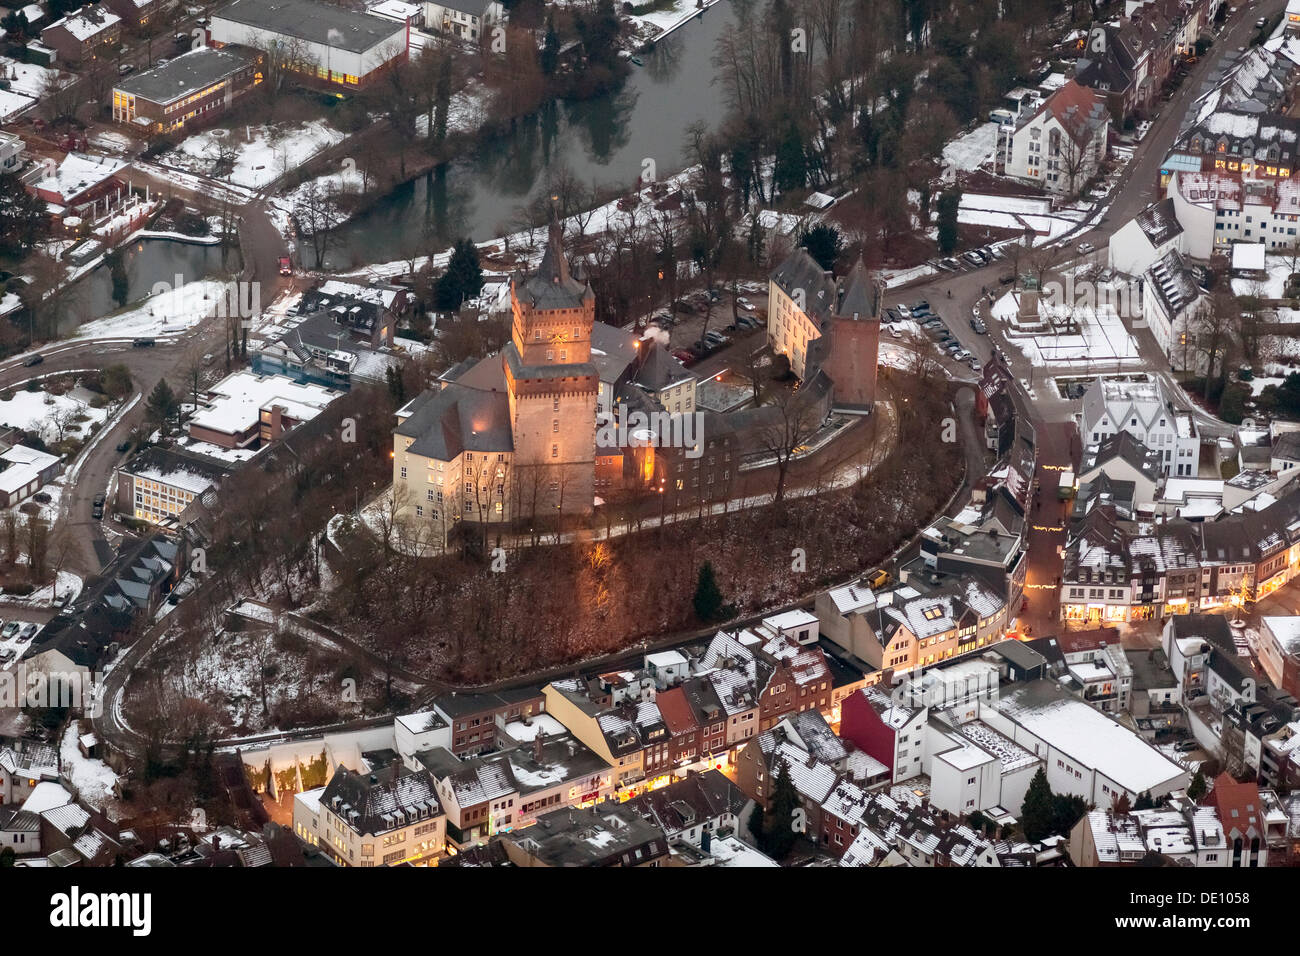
x=525, y=435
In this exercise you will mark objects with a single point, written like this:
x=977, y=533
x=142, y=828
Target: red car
x=286, y=269
x=683, y=356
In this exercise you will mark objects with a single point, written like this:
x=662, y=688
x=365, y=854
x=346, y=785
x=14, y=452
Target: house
x=136, y=13
x=475, y=718
x=385, y=818
x=1060, y=146
x=158, y=484
x=248, y=411
x=328, y=44
x=1242, y=812
x=1143, y=410
x=695, y=809
x=889, y=732
x=605, y=835
x=1279, y=652
x=70, y=649
x=467, y=19
x=1187, y=836
x=1135, y=246
x=320, y=349
x=195, y=88
x=24, y=766
x=88, y=34
x=78, y=184
x=1122, y=466
x=926, y=619
x=23, y=472
x=11, y=152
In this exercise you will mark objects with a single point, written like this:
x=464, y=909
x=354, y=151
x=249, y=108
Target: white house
x=1061, y=144
x=1142, y=410
x=1145, y=238
x=467, y=19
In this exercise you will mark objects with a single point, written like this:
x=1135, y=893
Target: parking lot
x=15, y=637
x=686, y=323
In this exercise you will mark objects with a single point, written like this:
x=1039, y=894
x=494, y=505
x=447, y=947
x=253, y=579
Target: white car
x=903, y=310
x=1086, y=247
x=743, y=302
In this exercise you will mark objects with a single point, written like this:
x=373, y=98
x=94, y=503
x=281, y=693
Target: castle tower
x=552, y=386
x=855, y=342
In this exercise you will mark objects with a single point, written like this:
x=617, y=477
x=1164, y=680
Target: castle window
x=555, y=451
x=555, y=426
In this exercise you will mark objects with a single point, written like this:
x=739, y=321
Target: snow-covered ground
x=659, y=22
x=261, y=154
x=466, y=112
x=33, y=411
x=1274, y=287
x=970, y=151
x=166, y=314
x=93, y=779
x=1099, y=336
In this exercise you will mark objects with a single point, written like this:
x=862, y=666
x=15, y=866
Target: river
x=604, y=141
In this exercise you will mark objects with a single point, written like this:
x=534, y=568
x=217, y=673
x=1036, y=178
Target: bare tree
x=794, y=421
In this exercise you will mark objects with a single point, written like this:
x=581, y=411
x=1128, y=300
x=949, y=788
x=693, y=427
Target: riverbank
x=671, y=19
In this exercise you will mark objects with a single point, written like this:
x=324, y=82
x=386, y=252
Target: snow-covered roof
x=1090, y=737
x=79, y=173
x=21, y=466
x=236, y=402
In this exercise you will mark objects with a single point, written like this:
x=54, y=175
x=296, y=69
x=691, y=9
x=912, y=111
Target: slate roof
x=381, y=801
x=456, y=419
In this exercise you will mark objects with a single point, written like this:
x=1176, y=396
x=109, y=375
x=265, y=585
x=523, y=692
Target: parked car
x=978, y=326
x=972, y=258
x=1186, y=746
x=42, y=498
x=920, y=305
x=97, y=506
x=903, y=310
x=1086, y=247
x=743, y=302
x=684, y=356
x=893, y=330
x=6, y=654
x=124, y=69
x=891, y=315
x=974, y=364
x=10, y=629
x=1259, y=24
x=142, y=343
x=28, y=631
x=963, y=355
x=33, y=360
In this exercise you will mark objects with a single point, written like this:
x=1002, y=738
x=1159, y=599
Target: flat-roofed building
x=196, y=87
x=315, y=40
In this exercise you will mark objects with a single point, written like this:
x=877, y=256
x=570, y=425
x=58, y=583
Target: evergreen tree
x=463, y=279
x=779, y=829
x=1067, y=810
x=708, y=596
x=823, y=244
x=791, y=169
x=22, y=216
x=161, y=406
x=117, y=270
x=1144, y=801
x=1036, y=811
x=949, y=202
x=550, y=57
x=442, y=100
x=1198, y=787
